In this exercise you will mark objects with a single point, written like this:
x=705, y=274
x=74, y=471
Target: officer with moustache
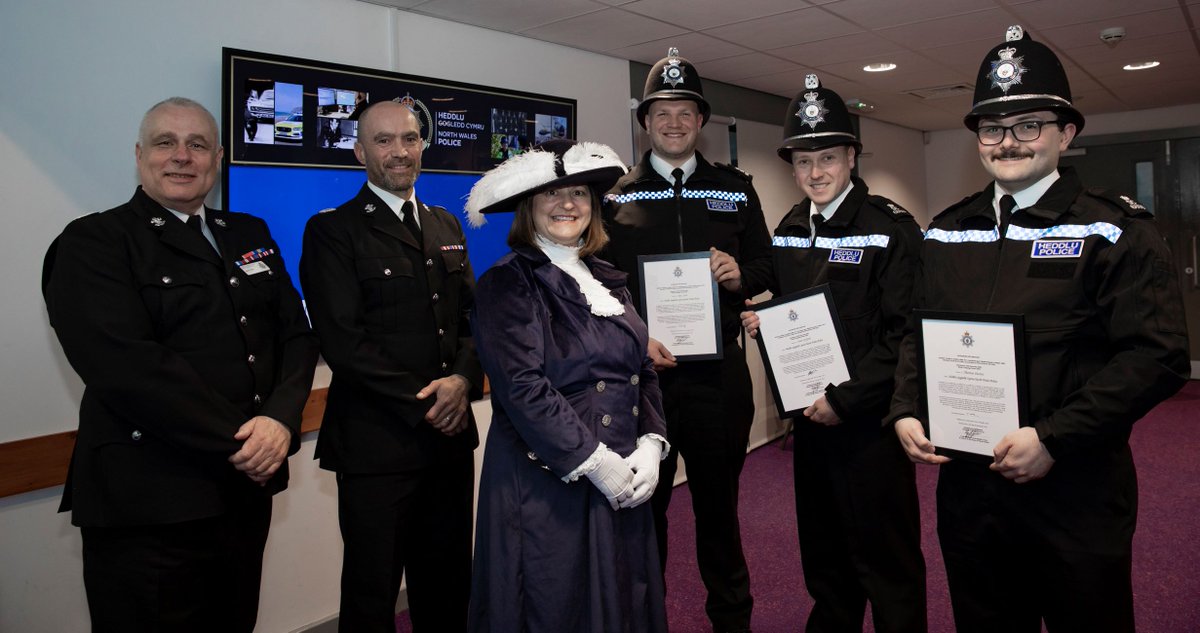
x=197, y=359
x=389, y=288
x=675, y=201
x=1043, y=534
x=856, y=494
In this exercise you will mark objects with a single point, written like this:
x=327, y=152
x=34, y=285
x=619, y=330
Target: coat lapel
x=380, y=217
x=171, y=231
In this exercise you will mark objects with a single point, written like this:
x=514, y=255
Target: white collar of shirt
x=831, y=208
x=1027, y=197
x=395, y=202
x=664, y=168
x=204, y=230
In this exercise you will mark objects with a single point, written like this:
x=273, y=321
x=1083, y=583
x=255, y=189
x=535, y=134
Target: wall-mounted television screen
x=290, y=125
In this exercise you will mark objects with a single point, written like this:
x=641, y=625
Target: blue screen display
x=286, y=197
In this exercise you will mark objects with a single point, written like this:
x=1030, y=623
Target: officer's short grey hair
x=179, y=102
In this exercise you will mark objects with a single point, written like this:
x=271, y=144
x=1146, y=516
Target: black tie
x=1007, y=204
x=196, y=224
x=817, y=220
x=410, y=219
x=677, y=188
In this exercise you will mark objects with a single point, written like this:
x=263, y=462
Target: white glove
x=612, y=477
x=643, y=461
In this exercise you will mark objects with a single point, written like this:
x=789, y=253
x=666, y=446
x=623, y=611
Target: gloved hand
x=643, y=461
x=612, y=477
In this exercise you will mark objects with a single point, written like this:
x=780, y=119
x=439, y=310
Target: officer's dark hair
x=524, y=233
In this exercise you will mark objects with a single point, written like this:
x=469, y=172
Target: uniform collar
x=1028, y=196
x=643, y=171
x=835, y=204
x=395, y=202
x=664, y=169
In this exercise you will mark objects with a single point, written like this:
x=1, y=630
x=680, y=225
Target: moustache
x=1004, y=155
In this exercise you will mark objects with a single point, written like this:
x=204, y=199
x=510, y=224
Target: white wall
x=893, y=165
x=79, y=75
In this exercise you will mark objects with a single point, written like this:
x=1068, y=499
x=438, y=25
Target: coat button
x=243, y=320
x=445, y=366
x=532, y=456
x=387, y=272
x=635, y=379
x=441, y=332
x=600, y=387
x=635, y=409
x=166, y=279
x=250, y=359
x=606, y=420
x=233, y=281
x=435, y=297
x=257, y=399
x=136, y=435
x=429, y=263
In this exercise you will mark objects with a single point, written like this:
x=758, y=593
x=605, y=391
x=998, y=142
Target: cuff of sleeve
x=1052, y=443
x=666, y=446
x=588, y=465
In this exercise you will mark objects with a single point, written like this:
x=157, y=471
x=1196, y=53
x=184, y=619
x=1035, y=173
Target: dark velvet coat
x=550, y=555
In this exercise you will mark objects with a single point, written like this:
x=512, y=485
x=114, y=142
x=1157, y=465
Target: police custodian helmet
x=1021, y=75
x=817, y=118
x=673, y=78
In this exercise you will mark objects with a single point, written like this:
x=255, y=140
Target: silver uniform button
x=445, y=366
x=441, y=332
x=387, y=272
x=166, y=279
x=435, y=297
x=635, y=409
x=429, y=263
x=233, y=281
x=243, y=320
x=635, y=379
x=606, y=420
x=532, y=456
x=257, y=399
x=250, y=359
x=136, y=435
x=600, y=387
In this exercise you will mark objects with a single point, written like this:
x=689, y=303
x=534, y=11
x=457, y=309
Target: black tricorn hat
x=817, y=118
x=1021, y=75
x=548, y=165
x=673, y=78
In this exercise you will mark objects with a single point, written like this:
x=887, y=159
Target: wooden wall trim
x=41, y=462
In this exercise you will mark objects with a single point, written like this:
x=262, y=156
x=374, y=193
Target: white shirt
x=664, y=168
x=396, y=203
x=1027, y=197
x=831, y=208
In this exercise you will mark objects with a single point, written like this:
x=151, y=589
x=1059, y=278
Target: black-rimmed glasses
x=1023, y=131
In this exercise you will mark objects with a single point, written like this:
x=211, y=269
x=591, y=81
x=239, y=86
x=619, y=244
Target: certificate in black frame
x=1017, y=321
x=716, y=316
x=778, y=302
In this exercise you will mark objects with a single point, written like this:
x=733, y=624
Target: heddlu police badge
x=673, y=72
x=813, y=110
x=1007, y=71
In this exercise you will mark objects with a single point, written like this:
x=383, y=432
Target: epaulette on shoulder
x=958, y=205
x=892, y=209
x=1127, y=205
x=730, y=168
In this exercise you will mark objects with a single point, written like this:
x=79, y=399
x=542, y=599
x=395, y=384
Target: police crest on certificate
x=680, y=305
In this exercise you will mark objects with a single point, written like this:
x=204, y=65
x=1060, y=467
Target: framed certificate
x=800, y=337
x=679, y=303
x=974, y=380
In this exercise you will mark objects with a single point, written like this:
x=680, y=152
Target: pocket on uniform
x=384, y=281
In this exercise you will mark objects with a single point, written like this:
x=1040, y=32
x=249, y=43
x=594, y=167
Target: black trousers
x=201, y=575
x=859, y=524
x=710, y=407
x=417, y=523
x=1006, y=573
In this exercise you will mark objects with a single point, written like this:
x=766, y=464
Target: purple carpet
x=1166, y=564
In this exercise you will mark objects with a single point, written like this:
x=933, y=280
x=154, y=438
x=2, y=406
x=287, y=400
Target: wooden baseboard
x=41, y=462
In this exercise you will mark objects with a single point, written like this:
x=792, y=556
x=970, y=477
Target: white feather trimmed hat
x=557, y=163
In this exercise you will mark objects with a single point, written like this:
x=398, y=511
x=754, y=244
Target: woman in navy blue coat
x=563, y=540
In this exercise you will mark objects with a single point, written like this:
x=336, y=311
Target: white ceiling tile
x=874, y=14
x=695, y=47
x=1045, y=14
x=851, y=47
x=703, y=14
x=786, y=29
x=507, y=15
x=731, y=69
x=1137, y=27
x=605, y=30
x=987, y=25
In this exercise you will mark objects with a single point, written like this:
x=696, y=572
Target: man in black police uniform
x=197, y=357
x=856, y=493
x=1045, y=531
x=674, y=201
x=389, y=287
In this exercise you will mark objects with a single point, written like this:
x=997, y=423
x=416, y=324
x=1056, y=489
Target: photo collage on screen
x=509, y=133
x=289, y=113
x=258, y=119
x=547, y=127
x=337, y=117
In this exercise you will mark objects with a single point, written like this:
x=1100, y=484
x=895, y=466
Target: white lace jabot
x=601, y=300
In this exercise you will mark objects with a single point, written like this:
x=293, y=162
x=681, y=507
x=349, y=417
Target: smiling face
x=390, y=145
x=823, y=174
x=178, y=157
x=562, y=215
x=1017, y=165
x=674, y=128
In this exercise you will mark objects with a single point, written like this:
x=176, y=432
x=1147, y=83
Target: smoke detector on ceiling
x=1112, y=36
